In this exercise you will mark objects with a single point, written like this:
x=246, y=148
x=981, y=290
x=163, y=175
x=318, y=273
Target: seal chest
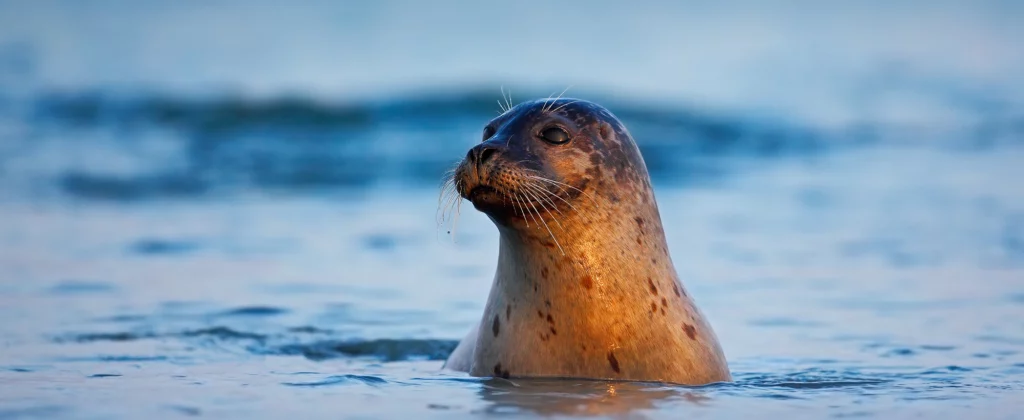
x=584, y=286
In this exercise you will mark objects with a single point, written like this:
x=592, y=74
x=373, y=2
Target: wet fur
x=584, y=287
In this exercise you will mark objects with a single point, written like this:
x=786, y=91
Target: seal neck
x=593, y=250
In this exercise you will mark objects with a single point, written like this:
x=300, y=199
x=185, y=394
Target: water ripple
x=341, y=380
x=385, y=349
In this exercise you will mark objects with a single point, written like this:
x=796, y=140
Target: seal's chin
x=486, y=198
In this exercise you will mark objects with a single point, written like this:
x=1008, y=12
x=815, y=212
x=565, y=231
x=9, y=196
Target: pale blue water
x=231, y=212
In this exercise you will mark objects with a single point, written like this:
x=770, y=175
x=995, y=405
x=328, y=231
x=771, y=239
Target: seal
x=585, y=287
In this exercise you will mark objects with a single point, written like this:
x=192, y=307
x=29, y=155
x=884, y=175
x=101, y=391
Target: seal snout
x=477, y=180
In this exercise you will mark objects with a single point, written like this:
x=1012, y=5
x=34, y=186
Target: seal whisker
x=449, y=205
x=444, y=197
x=551, y=96
x=458, y=211
x=561, y=186
x=443, y=218
x=527, y=208
x=541, y=195
x=522, y=205
x=548, y=228
x=508, y=100
x=528, y=173
x=585, y=216
x=535, y=200
x=449, y=188
x=447, y=214
x=543, y=201
x=549, y=194
x=560, y=94
x=448, y=199
x=515, y=202
x=553, y=101
x=563, y=106
x=539, y=178
x=444, y=189
x=558, y=183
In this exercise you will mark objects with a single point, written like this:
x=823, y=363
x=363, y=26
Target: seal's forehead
x=577, y=110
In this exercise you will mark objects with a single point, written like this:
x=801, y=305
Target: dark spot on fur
x=584, y=347
x=587, y=282
x=663, y=310
x=675, y=288
x=614, y=362
x=639, y=222
x=496, y=327
x=497, y=369
x=690, y=331
x=585, y=146
x=638, y=241
x=540, y=314
x=654, y=260
x=550, y=320
x=664, y=302
x=547, y=302
x=605, y=130
x=654, y=307
x=553, y=332
x=654, y=289
x=508, y=312
x=535, y=287
x=544, y=272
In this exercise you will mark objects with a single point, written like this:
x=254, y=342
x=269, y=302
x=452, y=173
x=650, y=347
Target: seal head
x=558, y=147
x=584, y=286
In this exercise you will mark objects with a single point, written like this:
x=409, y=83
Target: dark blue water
x=201, y=222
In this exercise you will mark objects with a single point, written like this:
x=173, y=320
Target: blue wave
x=181, y=148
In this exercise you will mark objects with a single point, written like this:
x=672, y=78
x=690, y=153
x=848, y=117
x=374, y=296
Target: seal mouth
x=487, y=198
x=482, y=192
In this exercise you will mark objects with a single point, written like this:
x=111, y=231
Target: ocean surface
x=231, y=211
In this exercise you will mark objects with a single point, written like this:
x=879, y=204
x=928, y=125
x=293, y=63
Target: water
x=170, y=247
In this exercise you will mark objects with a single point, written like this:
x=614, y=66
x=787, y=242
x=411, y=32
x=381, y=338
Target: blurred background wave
x=110, y=100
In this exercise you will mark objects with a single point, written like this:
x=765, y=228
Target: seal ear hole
x=555, y=135
x=488, y=132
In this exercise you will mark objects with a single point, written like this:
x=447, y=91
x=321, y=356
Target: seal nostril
x=485, y=154
x=480, y=154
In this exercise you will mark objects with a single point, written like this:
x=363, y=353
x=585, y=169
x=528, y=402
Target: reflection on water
x=578, y=398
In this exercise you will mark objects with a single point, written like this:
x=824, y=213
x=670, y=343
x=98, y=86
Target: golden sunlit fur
x=584, y=286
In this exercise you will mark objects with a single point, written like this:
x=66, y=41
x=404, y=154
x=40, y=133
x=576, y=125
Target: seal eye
x=488, y=132
x=554, y=135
